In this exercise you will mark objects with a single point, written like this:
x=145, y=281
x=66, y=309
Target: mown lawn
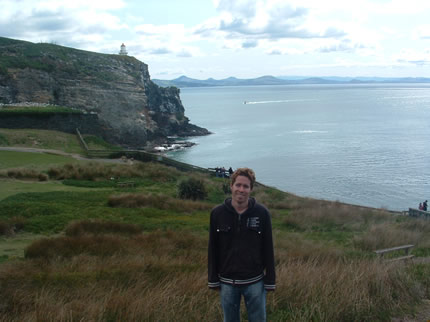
x=13, y=159
x=43, y=139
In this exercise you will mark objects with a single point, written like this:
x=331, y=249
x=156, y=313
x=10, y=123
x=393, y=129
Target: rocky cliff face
x=133, y=110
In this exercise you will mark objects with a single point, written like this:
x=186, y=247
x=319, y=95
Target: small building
x=123, y=50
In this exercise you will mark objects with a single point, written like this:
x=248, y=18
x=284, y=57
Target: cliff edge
x=132, y=110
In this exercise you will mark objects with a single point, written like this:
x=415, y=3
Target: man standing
x=240, y=252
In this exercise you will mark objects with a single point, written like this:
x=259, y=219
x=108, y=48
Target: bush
x=26, y=174
x=43, y=177
x=192, y=188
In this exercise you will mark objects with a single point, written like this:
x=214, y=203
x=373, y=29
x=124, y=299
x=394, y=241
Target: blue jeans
x=255, y=301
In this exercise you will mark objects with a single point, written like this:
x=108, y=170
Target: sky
x=237, y=38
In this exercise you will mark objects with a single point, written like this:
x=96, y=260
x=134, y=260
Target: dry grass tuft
x=66, y=247
x=101, y=227
x=386, y=235
x=328, y=290
x=28, y=174
x=99, y=171
x=334, y=214
x=138, y=200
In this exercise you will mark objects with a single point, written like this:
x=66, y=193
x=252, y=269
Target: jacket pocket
x=223, y=229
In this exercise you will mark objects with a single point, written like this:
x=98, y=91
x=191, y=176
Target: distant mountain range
x=185, y=81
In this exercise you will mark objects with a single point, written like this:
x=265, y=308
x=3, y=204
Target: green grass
x=13, y=248
x=52, y=140
x=96, y=143
x=50, y=212
x=9, y=187
x=13, y=159
x=36, y=110
x=42, y=139
x=52, y=58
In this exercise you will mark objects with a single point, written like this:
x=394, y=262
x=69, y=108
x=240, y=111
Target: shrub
x=23, y=174
x=43, y=177
x=192, y=188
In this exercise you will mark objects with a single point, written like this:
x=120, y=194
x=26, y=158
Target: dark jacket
x=240, y=248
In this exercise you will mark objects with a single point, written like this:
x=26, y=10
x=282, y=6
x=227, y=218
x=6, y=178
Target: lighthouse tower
x=123, y=50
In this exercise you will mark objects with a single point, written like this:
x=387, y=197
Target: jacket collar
x=228, y=205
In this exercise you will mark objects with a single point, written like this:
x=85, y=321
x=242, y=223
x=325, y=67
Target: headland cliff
x=131, y=110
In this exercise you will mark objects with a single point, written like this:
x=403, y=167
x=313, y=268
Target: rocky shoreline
x=172, y=144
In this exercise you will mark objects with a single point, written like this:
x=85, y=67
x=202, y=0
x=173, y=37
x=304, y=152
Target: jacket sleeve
x=269, y=257
x=213, y=278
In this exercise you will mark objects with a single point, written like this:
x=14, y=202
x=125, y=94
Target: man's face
x=241, y=189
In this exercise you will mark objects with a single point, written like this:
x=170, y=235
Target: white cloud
x=264, y=20
x=414, y=57
x=284, y=51
x=344, y=45
x=71, y=23
x=421, y=32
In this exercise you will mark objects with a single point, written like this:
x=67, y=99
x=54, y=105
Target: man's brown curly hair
x=246, y=172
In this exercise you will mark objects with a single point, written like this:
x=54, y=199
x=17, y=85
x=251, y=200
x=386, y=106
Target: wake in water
x=309, y=131
x=280, y=101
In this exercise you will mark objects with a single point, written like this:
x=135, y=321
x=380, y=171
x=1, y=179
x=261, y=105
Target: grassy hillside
x=37, y=110
x=76, y=246
x=51, y=140
x=48, y=57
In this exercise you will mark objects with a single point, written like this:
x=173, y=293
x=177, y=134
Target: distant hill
x=185, y=81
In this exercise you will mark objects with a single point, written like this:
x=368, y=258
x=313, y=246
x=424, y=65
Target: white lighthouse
x=123, y=50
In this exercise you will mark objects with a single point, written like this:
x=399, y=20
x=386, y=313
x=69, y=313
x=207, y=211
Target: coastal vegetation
x=37, y=110
x=47, y=57
x=79, y=246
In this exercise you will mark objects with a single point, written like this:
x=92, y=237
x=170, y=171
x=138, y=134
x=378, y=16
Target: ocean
x=357, y=143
